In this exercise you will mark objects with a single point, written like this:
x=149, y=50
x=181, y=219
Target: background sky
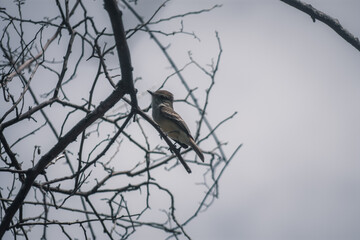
x=296, y=87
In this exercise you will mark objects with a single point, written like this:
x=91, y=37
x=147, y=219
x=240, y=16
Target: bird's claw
x=177, y=148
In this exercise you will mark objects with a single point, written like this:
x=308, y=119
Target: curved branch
x=323, y=17
x=122, y=48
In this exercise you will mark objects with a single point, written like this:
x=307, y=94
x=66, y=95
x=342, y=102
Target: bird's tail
x=196, y=149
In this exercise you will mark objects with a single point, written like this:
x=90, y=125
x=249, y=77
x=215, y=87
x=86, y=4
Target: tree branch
x=323, y=17
x=122, y=48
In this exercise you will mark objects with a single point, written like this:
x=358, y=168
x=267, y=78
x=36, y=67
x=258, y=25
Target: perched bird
x=170, y=122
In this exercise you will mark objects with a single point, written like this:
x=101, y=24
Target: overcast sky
x=296, y=87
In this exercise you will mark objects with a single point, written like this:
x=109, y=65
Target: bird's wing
x=173, y=116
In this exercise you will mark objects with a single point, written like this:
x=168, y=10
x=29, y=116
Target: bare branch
x=328, y=20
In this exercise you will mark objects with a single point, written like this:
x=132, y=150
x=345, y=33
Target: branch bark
x=328, y=20
x=122, y=48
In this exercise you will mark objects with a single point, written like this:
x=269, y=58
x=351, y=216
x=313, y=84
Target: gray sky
x=296, y=87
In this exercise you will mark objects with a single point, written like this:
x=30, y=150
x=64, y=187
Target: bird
x=171, y=122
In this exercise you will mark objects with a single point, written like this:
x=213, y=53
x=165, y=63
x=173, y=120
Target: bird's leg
x=179, y=148
x=175, y=146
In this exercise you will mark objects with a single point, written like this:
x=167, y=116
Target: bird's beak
x=150, y=92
